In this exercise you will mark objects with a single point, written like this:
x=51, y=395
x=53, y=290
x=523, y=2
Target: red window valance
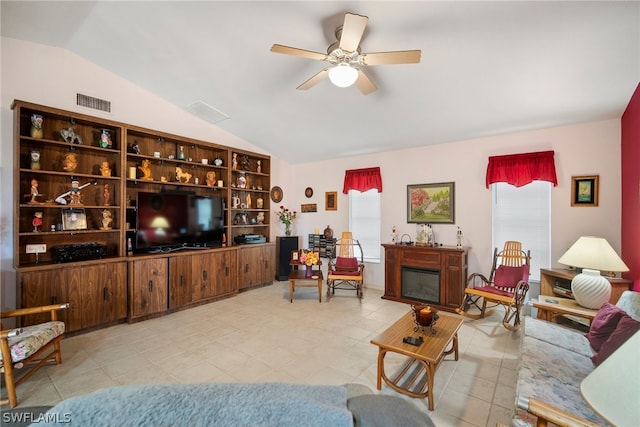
x=362, y=180
x=521, y=169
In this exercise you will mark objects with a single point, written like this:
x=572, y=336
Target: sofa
x=554, y=360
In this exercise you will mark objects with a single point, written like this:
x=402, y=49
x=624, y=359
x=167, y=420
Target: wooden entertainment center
x=76, y=181
x=449, y=262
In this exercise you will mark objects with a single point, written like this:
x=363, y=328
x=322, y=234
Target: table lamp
x=612, y=389
x=592, y=254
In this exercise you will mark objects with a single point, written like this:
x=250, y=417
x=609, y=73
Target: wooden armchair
x=31, y=345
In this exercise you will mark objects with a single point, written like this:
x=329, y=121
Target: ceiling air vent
x=206, y=112
x=91, y=102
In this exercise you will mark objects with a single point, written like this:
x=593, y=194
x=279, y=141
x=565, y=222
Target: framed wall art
x=309, y=207
x=431, y=203
x=584, y=190
x=331, y=201
x=74, y=219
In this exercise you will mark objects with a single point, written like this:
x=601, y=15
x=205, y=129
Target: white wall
x=582, y=149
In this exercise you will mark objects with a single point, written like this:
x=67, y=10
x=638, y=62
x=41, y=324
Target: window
x=364, y=222
x=524, y=214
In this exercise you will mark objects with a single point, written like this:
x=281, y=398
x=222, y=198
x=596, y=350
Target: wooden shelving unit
x=93, y=167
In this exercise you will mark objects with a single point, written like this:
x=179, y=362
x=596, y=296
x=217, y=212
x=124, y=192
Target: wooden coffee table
x=416, y=377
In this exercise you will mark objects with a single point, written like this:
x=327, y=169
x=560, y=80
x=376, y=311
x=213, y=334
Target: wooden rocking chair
x=507, y=286
x=346, y=266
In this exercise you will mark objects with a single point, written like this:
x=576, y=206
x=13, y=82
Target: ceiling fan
x=346, y=57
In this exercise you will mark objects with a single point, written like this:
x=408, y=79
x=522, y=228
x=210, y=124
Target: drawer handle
x=105, y=294
x=226, y=271
x=150, y=285
x=204, y=274
x=246, y=268
x=181, y=280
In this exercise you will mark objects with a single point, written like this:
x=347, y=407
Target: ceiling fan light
x=343, y=75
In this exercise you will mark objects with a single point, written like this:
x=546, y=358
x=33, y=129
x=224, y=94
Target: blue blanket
x=216, y=404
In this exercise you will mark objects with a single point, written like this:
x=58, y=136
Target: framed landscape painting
x=431, y=203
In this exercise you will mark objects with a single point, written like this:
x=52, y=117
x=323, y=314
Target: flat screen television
x=175, y=220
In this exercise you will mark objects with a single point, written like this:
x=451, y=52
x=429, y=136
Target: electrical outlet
x=37, y=249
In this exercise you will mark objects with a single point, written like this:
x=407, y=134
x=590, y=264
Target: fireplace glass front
x=421, y=284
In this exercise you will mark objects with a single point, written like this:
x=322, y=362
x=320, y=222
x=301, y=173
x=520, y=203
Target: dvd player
x=245, y=239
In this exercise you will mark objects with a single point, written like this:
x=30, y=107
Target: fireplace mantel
x=450, y=261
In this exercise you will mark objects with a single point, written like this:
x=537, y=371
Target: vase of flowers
x=309, y=259
x=286, y=217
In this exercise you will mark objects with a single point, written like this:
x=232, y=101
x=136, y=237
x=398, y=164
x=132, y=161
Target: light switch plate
x=37, y=249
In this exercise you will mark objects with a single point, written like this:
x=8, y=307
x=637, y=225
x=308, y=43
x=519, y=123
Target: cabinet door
x=44, y=288
x=267, y=264
x=113, y=292
x=454, y=280
x=249, y=258
x=149, y=293
x=391, y=282
x=180, y=282
x=223, y=279
x=202, y=269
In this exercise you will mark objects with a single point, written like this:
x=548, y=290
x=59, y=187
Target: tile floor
x=259, y=336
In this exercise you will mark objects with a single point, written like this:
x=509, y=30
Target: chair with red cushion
x=346, y=266
x=507, y=285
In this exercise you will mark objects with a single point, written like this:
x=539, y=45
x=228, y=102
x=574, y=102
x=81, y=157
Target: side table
x=552, y=307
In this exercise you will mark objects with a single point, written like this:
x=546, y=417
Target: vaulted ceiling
x=487, y=67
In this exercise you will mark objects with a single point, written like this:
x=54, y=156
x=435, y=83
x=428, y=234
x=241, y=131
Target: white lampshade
x=591, y=254
x=594, y=253
x=343, y=75
x=612, y=389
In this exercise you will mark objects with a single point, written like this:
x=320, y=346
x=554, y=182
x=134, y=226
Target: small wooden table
x=552, y=307
x=416, y=377
x=299, y=276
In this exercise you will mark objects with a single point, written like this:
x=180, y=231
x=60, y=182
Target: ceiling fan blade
x=278, y=48
x=363, y=83
x=398, y=57
x=313, y=80
x=352, y=31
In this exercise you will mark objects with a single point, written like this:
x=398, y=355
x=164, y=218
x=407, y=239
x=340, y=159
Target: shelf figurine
x=145, y=168
x=69, y=135
x=37, y=221
x=105, y=169
x=34, y=192
x=211, y=179
x=259, y=166
x=74, y=195
x=36, y=126
x=105, y=139
x=106, y=195
x=180, y=175
x=35, y=160
x=260, y=217
x=135, y=148
x=234, y=162
x=259, y=202
x=70, y=162
x=248, y=200
x=107, y=220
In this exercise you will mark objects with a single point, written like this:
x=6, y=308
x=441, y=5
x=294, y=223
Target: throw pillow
x=508, y=277
x=382, y=411
x=603, y=324
x=625, y=329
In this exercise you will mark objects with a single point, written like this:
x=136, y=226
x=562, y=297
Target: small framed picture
x=74, y=219
x=331, y=201
x=295, y=256
x=584, y=190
